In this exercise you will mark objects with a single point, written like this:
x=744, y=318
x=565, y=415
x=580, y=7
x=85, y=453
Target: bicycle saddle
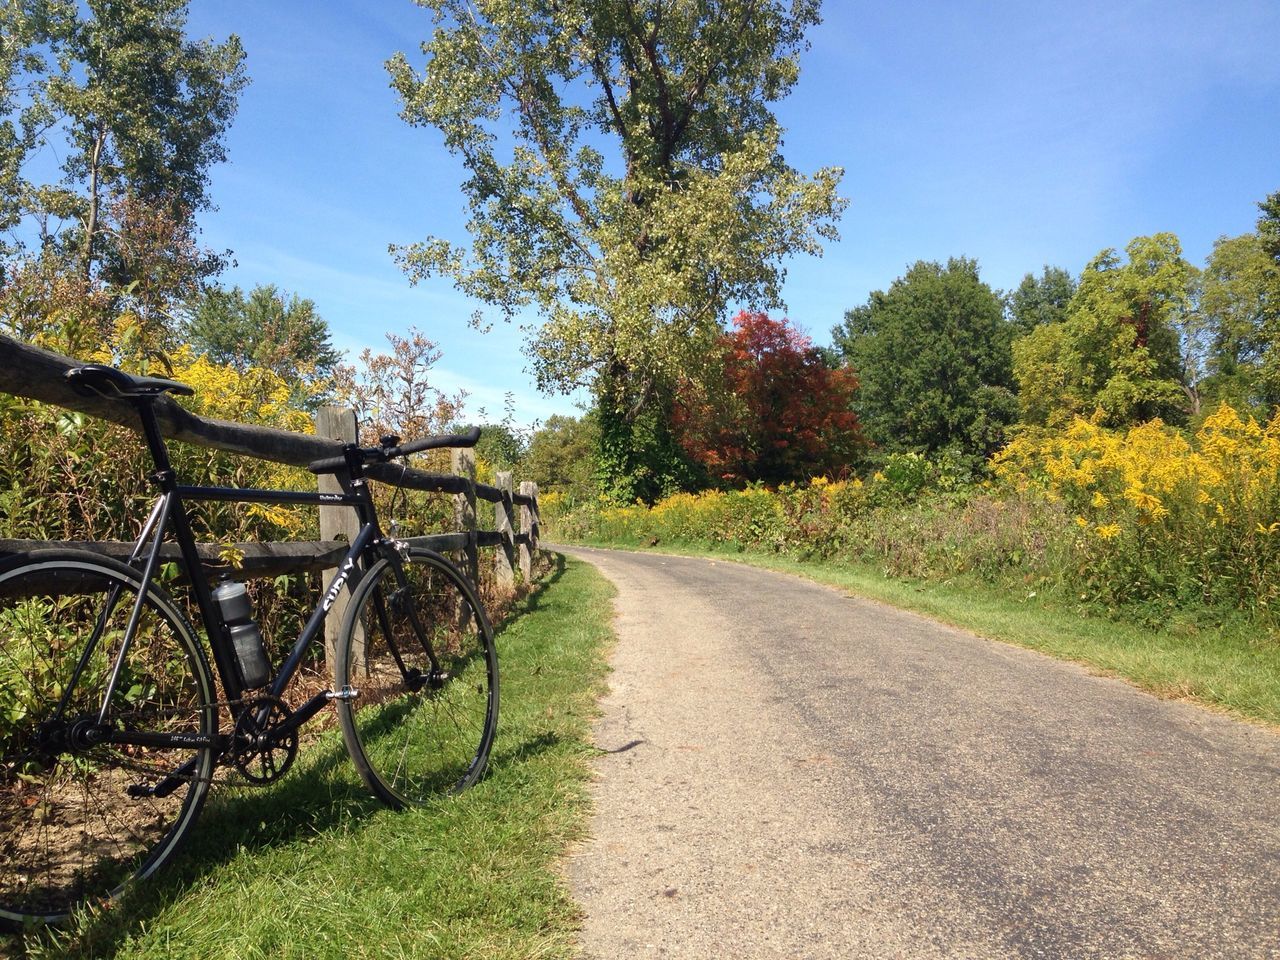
x=108, y=381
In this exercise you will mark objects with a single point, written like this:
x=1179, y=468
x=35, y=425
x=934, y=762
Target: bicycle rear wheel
x=417, y=728
x=80, y=821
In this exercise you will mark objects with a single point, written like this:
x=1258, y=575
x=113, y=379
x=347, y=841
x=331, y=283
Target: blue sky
x=1017, y=133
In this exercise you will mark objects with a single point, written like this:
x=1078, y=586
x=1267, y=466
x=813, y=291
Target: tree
x=283, y=334
x=1041, y=300
x=21, y=122
x=1269, y=240
x=500, y=445
x=932, y=355
x=1269, y=227
x=1233, y=310
x=625, y=181
x=152, y=262
x=141, y=109
x=392, y=392
x=778, y=413
x=1118, y=349
x=562, y=457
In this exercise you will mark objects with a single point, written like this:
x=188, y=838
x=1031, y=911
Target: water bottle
x=246, y=638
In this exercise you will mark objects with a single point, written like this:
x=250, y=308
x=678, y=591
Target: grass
x=313, y=867
x=1231, y=666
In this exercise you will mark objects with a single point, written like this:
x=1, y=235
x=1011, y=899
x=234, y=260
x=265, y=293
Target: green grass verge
x=313, y=867
x=1233, y=666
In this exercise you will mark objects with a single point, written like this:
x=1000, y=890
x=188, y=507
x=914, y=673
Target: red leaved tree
x=775, y=413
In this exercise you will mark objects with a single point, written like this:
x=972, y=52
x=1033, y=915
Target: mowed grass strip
x=1232, y=665
x=313, y=867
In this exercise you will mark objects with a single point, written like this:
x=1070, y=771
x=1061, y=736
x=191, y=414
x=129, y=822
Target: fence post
x=336, y=523
x=504, y=560
x=528, y=529
x=535, y=525
x=464, y=508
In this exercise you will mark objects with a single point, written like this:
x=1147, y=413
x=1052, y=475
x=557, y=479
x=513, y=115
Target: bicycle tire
x=71, y=830
x=412, y=740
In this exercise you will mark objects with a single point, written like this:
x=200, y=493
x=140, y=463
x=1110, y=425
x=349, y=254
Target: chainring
x=259, y=751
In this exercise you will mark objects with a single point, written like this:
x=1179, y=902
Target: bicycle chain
x=124, y=762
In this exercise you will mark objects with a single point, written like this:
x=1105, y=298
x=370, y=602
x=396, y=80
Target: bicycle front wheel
x=417, y=652
x=80, y=819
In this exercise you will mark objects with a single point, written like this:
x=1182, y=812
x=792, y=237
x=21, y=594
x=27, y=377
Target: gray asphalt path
x=792, y=773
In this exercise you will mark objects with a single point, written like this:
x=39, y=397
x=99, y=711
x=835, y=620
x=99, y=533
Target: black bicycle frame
x=170, y=510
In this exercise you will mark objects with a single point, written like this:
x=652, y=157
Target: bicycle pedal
x=140, y=791
x=346, y=693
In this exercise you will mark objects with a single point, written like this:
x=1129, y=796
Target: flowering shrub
x=65, y=476
x=869, y=522
x=1143, y=516
x=1158, y=514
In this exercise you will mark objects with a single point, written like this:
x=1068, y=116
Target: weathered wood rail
x=38, y=374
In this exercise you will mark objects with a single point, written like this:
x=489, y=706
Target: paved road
x=792, y=773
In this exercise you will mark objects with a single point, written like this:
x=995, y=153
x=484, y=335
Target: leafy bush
x=1159, y=515
x=1147, y=519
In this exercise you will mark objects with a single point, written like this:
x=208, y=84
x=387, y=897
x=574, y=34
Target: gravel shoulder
x=790, y=772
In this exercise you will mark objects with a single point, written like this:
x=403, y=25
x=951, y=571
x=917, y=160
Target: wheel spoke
x=409, y=745
x=74, y=832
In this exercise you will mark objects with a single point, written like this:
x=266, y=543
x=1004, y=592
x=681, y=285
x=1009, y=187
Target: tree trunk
x=91, y=224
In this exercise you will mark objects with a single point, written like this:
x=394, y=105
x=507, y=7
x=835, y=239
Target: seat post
x=151, y=430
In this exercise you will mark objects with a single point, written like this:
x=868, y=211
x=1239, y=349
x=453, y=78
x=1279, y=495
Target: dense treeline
x=944, y=366
x=642, y=197
x=1111, y=438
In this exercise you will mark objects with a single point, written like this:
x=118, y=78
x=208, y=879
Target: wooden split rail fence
x=38, y=374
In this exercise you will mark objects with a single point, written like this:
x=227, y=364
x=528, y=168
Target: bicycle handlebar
x=383, y=454
x=467, y=439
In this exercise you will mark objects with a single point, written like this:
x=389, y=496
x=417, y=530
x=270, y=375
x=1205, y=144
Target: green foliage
x=1118, y=349
x=266, y=330
x=1269, y=226
x=1234, y=311
x=500, y=446
x=1041, y=300
x=639, y=457
x=141, y=109
x=1269, y=283
x=625, y=180
x=906, y=476
x=561, y=457
x=933, y=359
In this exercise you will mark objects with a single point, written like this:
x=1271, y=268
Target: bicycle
x=112, y=725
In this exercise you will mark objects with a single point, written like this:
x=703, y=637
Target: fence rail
x=37, y=374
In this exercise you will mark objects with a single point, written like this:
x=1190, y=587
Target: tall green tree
x=1269, y=226
x=1040, y=300
x=933, y=359
x=1233, y=312
x=22, y=120
x=267, y=328
x=1118, y=349
x=132, y=108
x=562, y=457
x=625, y=181
x=1269, y=240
